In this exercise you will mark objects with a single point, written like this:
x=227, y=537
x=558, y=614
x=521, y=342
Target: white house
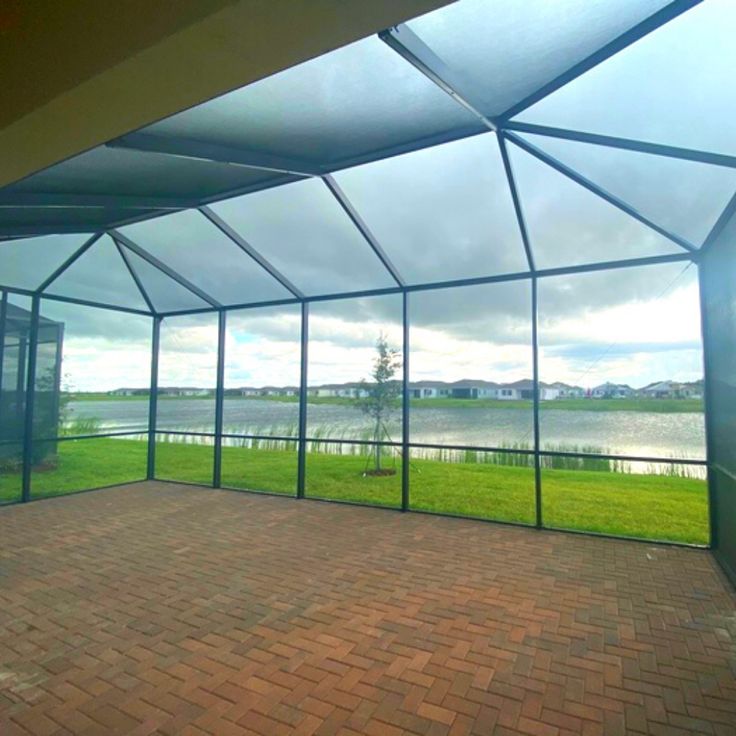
x=185, y=391
x=673, y=390
x=612, y=391
x=430, y=389
x=342, y=390
x=565, y=391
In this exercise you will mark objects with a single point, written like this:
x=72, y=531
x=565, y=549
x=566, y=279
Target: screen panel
x=83, y=464
x=262, y=371
x=681, y=100
x=486, y=485
x=302, y=230
x=508, y=50
x=184, y=458
x=666, y=502
x=684, y=197
x=471, y=366
x=471, y=387
x=120, y=171
x=621, y=351
x=26, y=263
x=196, y=249
x=187, y=373
x=100, y=275
x=11, y=472
x=16, y=338
x=359, y=98
x=268, y=465
x=368, y=474
x=165, y=293
x=441, y=213
x=347, y=340
x=568, y=225
x=93, y=371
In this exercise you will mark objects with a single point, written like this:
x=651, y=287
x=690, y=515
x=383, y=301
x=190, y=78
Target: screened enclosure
x=457, y=268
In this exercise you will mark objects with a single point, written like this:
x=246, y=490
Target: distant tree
x=377, y=397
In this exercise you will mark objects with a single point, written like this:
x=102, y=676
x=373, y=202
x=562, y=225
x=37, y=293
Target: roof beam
x=201, y=151
x=246, y=247
x=74, y=300
x=365, y=231
x=627, y=144
x=161, y=266
x=408, y=45
x=662, y=16
x=593, y=187
x=475, y=281
x=68, y=262
x=517, y=202
x=60, y=200
x=134, y=276
x=724, y=218
x=28, y=231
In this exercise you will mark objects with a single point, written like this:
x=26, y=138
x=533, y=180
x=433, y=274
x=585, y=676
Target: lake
x=645, y=434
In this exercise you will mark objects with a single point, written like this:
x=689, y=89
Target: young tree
x=377, y=397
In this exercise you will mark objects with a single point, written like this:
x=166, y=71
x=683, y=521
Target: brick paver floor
x=165, y=609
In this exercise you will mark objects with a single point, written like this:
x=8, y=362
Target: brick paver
x=163, y=609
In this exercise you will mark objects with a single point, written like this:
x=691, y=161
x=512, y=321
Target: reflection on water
x=621, y=432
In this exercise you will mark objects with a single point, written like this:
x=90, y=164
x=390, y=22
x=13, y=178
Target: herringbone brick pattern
x=162, y=609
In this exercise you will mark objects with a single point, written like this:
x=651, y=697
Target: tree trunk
x=377, y=438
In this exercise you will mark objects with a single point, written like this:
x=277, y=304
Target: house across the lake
x=339, y=390
x=466, y=388
x=673, y=390
x=185, y=391
x=565, y=391
x=129, y=392
x=263, y=391
x=612, y=391
x=479, y=389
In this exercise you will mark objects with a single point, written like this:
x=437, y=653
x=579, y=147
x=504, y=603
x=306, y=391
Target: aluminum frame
x=411, y=48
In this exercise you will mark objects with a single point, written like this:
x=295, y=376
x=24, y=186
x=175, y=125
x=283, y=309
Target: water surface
x=647, y=434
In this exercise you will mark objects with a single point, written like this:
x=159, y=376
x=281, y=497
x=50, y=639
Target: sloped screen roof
x=489, y=139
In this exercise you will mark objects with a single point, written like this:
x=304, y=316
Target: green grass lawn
x=655, y=507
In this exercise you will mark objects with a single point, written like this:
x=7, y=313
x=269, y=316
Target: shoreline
x=653, y=406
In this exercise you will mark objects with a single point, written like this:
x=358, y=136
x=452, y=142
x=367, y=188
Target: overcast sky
x=632, y=326
x=445, y=213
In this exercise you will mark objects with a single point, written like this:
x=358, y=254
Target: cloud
x=630, y=325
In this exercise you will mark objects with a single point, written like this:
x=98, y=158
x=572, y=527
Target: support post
x=709, y=339
x=30, y=396
x=405, y=405
x=3, y=315
x=302, y=442
x=219, y=398
x=539, y=522
x=153, y=399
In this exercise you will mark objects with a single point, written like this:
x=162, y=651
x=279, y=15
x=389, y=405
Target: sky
x=446, y=212
x=630, y=326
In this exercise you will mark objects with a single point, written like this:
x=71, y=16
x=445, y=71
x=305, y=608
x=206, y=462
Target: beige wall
x=76, y=73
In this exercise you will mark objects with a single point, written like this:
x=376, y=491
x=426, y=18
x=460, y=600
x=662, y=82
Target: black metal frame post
x=58, y=364
x=219, y=397
x=3, y=315
x=30, y=397
x=405, y=406
x=539, y=522
x=302, y=441
x=153, y=399
x=708, y=414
